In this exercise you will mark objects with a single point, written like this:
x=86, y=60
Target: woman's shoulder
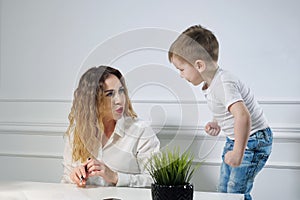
x=136, y=126
x=136, y=122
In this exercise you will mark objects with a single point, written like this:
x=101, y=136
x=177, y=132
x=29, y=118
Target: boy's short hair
x=195, y=43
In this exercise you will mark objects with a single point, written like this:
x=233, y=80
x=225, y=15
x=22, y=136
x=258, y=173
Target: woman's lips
x=119, y=110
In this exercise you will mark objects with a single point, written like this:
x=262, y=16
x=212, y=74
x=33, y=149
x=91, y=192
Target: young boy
x=248, y=137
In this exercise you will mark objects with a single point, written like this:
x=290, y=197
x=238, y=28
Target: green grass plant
x=170, y=167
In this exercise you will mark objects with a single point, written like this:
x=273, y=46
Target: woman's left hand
x=97, y=168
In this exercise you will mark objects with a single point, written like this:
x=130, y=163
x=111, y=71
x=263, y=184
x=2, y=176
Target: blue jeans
x=240, y=179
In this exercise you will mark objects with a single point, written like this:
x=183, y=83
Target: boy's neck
x=209, y=74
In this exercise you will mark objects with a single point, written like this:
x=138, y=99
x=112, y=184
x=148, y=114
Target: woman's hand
x=212, y=128
x=98, y=168
x=79, y=176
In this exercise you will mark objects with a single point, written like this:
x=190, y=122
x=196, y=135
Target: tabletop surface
x=57, y=191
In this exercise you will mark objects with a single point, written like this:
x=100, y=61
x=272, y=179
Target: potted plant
x=171, y=172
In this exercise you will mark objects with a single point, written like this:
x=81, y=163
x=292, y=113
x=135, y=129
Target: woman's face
x=114, y=98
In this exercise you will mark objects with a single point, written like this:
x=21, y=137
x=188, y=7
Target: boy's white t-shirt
x=226, y=89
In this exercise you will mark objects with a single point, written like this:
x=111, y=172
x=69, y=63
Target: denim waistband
x=262, y=133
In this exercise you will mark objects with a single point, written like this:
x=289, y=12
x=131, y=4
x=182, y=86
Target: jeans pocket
x=264, y=143
x=252, y=143
x=260, y=139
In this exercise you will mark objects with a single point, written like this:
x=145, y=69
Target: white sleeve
x=232, y=93
x=67, y=162
x=148, y=143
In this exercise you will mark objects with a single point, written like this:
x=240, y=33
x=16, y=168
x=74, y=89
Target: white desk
x=57, y=191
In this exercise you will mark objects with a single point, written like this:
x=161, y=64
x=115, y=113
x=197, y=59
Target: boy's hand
x=212, y=128
x=233, y=159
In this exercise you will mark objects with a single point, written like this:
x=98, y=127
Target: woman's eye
x=109, y=94
x=121, y=90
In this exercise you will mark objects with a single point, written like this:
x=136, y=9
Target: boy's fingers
x=213, y=132
x=207, y=128
x=216, y=132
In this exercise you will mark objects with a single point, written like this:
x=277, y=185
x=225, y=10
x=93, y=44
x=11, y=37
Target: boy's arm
x=242, y=125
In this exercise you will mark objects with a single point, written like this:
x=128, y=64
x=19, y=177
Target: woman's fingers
x=94, y=168
x=81, y=175
x=78, y=176
x=94, y=165
x=97, y=168
x=82, y=171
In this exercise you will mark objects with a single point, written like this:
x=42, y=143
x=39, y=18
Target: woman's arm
x=67, y=162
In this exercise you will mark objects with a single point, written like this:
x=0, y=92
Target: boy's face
x=187, y=71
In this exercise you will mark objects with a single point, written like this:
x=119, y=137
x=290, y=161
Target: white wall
x=46, y=45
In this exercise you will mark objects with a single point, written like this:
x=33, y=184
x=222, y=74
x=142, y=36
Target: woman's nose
x=117, y=99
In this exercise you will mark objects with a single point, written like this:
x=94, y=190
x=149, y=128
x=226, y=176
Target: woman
x=106, y=143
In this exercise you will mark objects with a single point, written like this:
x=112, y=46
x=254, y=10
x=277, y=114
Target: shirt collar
x=208, y=89
x=120, y=127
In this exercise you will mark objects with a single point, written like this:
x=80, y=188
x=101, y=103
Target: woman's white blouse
x=126, y=152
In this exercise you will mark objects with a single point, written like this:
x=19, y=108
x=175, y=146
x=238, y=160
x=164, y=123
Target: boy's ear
x=200, y=65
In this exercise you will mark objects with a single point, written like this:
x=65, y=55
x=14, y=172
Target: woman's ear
x=200, y=65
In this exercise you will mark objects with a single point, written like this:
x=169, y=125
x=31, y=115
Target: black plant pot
x=172, y=192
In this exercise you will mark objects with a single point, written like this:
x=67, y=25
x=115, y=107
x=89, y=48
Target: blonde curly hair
x=87, y=112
